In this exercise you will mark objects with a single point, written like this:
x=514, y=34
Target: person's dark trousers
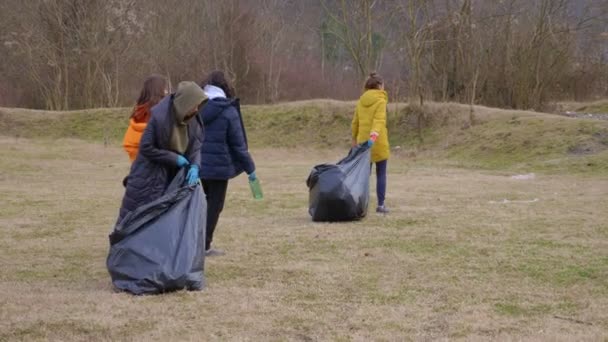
x=216, y=194
x=381, y=181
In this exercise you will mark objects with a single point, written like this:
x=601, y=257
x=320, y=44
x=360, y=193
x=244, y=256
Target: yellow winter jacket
x=370, y=116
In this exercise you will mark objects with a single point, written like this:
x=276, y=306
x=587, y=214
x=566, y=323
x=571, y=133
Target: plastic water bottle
x=256, y=189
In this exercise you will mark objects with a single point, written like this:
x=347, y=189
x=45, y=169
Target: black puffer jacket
x=155, y=165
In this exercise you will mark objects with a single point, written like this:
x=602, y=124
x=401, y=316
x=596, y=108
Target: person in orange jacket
x=156, y=87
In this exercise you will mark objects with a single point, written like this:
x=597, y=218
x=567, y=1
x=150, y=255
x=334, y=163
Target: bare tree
x=68, y=54
x=355, y=26
x=417, y=35
x=277, y=19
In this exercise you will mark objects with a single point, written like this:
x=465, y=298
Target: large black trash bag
x=340, y=192
x=159, y=247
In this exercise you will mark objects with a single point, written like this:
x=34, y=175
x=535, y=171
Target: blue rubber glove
x=182, y=161
x=372, y=139
x=252, y=176
x=192, y=176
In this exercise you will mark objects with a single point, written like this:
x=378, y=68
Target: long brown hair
x=153, y=90
x=218, y=79
x=374, y=81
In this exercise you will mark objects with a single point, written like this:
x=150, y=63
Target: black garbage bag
x=340, y=192
x=159, y=247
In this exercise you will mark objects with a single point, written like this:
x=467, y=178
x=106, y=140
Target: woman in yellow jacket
x=369, y=125
x=155, y=88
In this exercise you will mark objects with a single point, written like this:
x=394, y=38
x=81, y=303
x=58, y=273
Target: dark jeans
x=381, y=181
x=216, y=194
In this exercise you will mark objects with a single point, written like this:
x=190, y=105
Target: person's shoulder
x=231, y=111
x=381, y=101
x=161, y=108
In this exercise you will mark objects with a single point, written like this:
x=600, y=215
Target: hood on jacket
x=188, y=96
x=213, y=92
x=139, y=127
x=214, y=108
x=372, y=96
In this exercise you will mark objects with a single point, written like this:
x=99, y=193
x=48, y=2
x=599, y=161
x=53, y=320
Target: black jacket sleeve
x=149, y=146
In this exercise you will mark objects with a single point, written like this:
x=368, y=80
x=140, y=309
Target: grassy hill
x=598, y=107
x=499, y=139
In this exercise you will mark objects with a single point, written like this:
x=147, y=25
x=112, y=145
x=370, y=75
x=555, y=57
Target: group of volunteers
x=200, y=127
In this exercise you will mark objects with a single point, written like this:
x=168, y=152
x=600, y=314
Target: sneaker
x=382, y=209
x=212, y=252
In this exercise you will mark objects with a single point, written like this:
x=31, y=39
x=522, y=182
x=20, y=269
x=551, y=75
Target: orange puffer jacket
x=137, y=126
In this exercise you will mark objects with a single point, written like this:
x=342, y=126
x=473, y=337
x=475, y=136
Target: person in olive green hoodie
x=369, y=125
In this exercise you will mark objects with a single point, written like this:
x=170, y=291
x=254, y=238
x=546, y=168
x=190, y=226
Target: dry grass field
x=466, y=254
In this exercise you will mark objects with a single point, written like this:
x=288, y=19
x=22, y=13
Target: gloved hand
x=252, y=176
x=372, y=139
x=192, y=176
x=182, y=161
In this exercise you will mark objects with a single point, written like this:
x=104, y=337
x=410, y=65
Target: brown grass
x=445, y=264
